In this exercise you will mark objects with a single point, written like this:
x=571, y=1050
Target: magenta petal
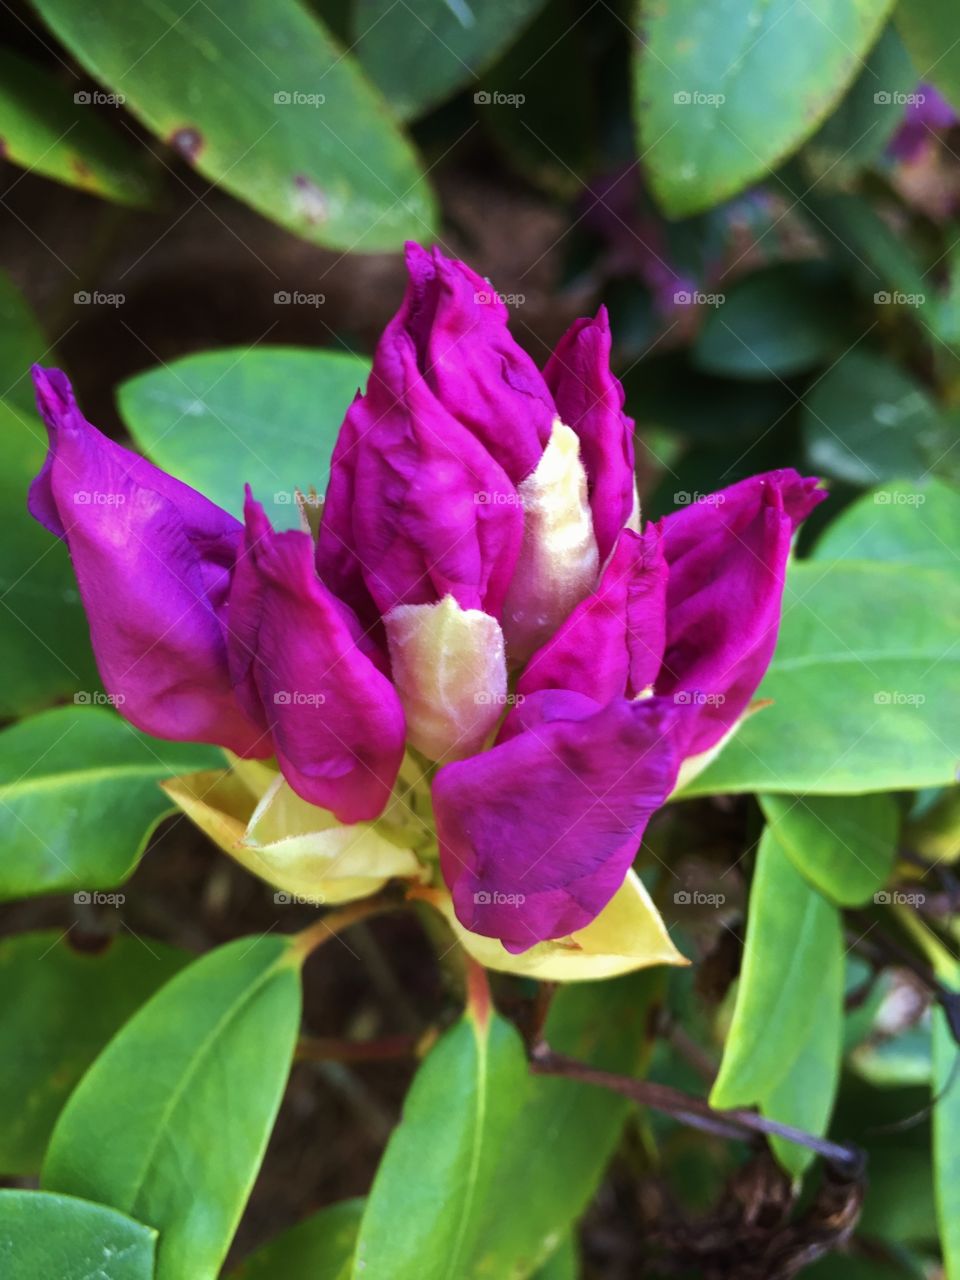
x=153, y=560
x=537, y=834
x=337, y=724
x=470, y=362
x=612, y=643
x=727, y=558
x=590, y=400
x=424, y=507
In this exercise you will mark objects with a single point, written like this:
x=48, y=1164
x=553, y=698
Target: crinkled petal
x=153, y=560
x=471, y=363
x=590, y=400
x=727, y=557
x=417, y=508
x=537, y=834
x=336, y=721
x=612, y=643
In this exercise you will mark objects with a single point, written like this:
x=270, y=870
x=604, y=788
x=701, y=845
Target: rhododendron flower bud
x=480, y=592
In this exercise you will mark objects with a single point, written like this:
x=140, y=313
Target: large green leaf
x=774, y=323
x=428, y=1203
x=171, y=1121
x=865, y=682
x=319, y=1248
x=48, y=1237
x=726, y=91
x=43, y=630
x=52, y=129
x=79, y=797
x=844, y=845
x=946, y=1136
x=783, y=1048
x=268, y=417
x=929, y=30
x=58, y=1007
x=867, y=421
x=420, y=55
x=262, y=101
x=912, y=523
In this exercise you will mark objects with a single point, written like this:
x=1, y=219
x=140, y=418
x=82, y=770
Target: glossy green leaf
x=779, y=321
x=419, y=56
x=53, y=128
x=724, y=92
x=79, y=797
x=867, y=421
x=563, y=1264
x=267, y=417
x=319, y=1248
x=900, y=1060
x=43, y=629
x=563, y=1139
x=58, y=1007
x=263, y=102
x=912, y=523
x=865, y=682
x=946, y=1136
x=783, y=1048
x=171, y=1122
x=929, y=30
x=844, y=845
x=864, y=122
x=428, y=1202
x=49, y=1237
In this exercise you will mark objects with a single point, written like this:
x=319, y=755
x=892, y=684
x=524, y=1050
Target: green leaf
x=59, y=1006
x=563, y=1264
x=844, y=845
x=43, y=629
x=563, y=1139
x=54, y=130
x=900, y=1060
x=47, y=1237
x=867, y=421
x=420, y=56
x=428, y=1200
x=865, y=681
x=911, y=522
x=237, y=90
x=171, y=1122
x=783, y=1049
x=79, y=797
x=776, y=322
x=864, y=122
x=268, y=417
x=946, y=1136
x=929, y=30
x=318, y=1248
x=724, y=92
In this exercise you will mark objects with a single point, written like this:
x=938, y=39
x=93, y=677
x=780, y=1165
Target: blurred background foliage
x=202, y=206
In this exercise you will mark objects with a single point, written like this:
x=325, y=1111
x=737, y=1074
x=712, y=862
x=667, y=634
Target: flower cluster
x=479, y=598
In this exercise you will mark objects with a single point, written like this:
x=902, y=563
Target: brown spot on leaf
x=80, y=169
x=310, y=201
x=188, y=140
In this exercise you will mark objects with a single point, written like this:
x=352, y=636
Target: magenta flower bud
x=153, y=560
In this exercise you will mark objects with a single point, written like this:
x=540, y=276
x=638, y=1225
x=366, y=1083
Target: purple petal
x=153, y=560
x=727, y=559
x=336, y=721
x=417, y=508
x=612, y=644
x=470, y=362
x=537, y=834
x=590, y=400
